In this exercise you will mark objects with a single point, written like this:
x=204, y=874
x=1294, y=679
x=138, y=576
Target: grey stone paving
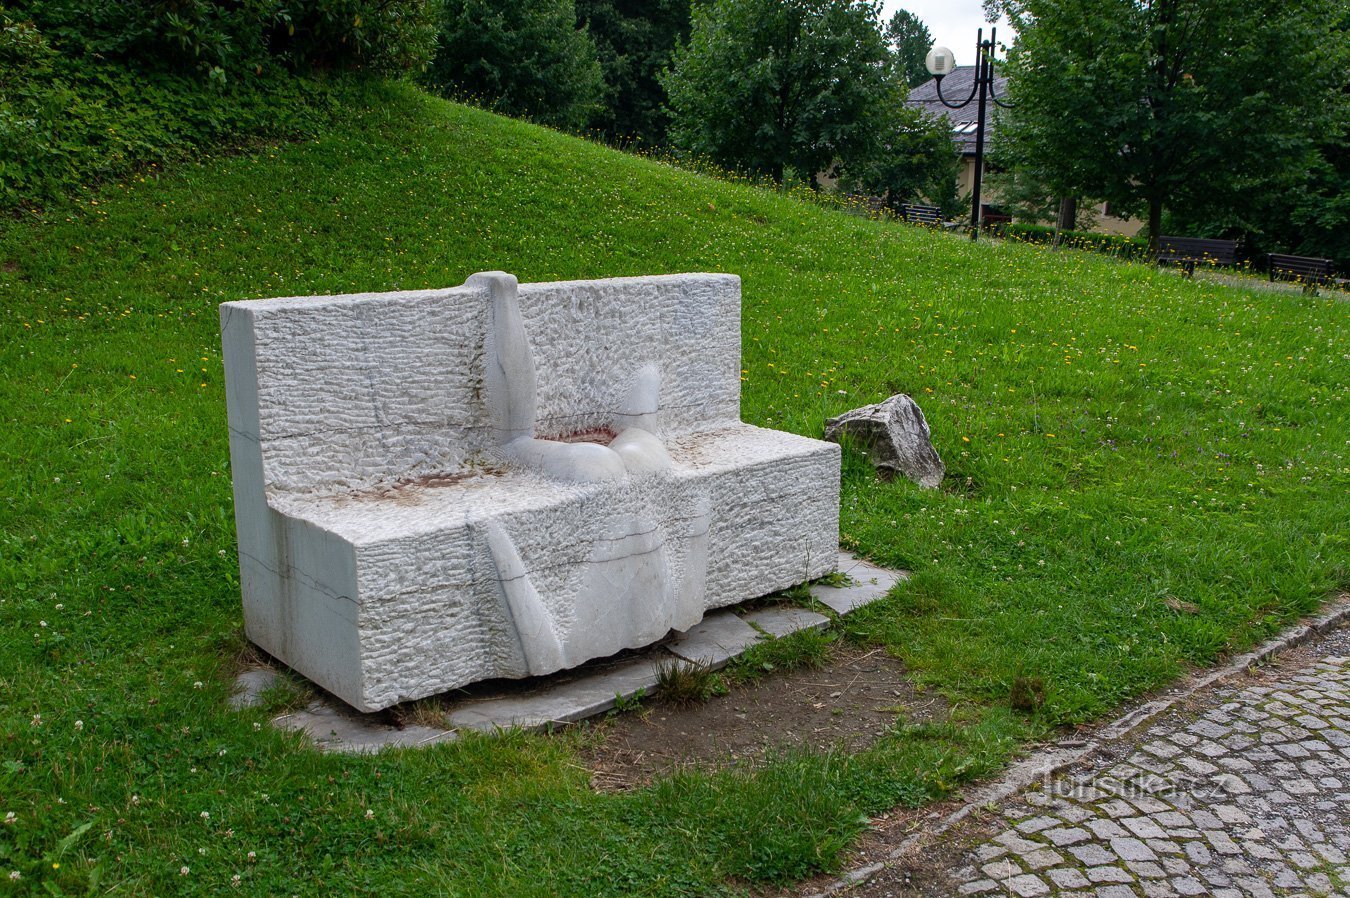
x=1249, y=798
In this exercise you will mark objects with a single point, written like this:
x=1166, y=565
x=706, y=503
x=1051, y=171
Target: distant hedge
x=1110, y=244
x=94, y=88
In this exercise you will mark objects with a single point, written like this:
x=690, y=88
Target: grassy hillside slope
x=1144, y=473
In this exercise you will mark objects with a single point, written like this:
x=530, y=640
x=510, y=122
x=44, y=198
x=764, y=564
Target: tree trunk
x=1154, y=225
x=1068, y=212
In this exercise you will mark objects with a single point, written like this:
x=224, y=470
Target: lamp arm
x=993, y=93
x=966, y=102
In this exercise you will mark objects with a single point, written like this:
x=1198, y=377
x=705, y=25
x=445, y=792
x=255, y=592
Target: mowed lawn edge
x=1144, y=474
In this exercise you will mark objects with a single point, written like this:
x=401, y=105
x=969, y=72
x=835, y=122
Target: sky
x=953, y=23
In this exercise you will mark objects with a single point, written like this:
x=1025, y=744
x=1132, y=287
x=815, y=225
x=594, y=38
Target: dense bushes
x=526, y=59
x=93, y=88
x=225, y=38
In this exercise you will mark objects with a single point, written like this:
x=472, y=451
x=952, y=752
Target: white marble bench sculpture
x=444, y=486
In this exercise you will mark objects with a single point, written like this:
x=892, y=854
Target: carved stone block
x=497, y=480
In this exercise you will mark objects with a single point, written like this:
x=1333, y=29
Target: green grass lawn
x=1145, y=473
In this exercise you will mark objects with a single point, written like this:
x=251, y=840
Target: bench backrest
x=1301, y=266
x=921, y=213
x=1201, y=249
x=348, y=392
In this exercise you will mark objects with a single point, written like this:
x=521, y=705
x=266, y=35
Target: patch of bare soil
x=847, y=704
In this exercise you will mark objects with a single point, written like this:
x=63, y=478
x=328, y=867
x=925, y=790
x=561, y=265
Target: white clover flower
x=79, y=724
x=184, y=870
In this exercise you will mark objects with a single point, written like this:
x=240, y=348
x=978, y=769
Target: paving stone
x=339, y=730
x=1016, y=843
x=782, y=620
x=1115, y=892
x=1027, y=886
x=1145, y=869
x=1062, y=836
x=1036, y=824
x=1143, y=827
x=1189, y=885
x=989, y=852
x=250, y=685
x=1092, y=854
x=1199, y=853
x=1228, y=814
x=978, y=887
x=715, y=640
x=1132, y=850
x=1222, y=843
x=1106, y=829
x=1068, y=878
x=867, y=583
x=1108, y=874
x=1001, y=869
x=562, y=702
x=1039, y=860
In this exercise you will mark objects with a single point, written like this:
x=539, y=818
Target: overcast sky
x=953, y=23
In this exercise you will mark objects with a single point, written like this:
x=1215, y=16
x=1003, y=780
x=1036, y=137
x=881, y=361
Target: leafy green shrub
x=94, y=88
x=226, y=38
x=1110, y=244
x=387, y=37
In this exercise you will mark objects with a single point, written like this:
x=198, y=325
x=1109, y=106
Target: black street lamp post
x=942, y=62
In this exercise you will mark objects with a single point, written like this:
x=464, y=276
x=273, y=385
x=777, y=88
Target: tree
x=1205, y=106
x=635, y=40
x=768, y=85
x=914, y=160
x=910, y=42
x=526, y=58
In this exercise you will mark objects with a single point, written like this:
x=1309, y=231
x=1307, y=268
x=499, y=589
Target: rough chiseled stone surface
x=896, y=437
x=1249, y=798
x=390, y=549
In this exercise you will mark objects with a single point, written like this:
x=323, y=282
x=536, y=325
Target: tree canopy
x=635, y=40
x=768, y=85
x=1207, y=108
x=910, y=41
x=527, y=58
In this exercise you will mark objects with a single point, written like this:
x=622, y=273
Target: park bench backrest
x=1198, y=249
x=355, y=391
x=1301, y=267
x=915, y=212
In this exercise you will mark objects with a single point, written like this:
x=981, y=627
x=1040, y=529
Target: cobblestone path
x=1249, y=798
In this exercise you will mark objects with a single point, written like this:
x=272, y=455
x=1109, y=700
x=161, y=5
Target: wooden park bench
x=1308, y=271
x=1189, y=250
x=917, y=213
x=438, y=487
